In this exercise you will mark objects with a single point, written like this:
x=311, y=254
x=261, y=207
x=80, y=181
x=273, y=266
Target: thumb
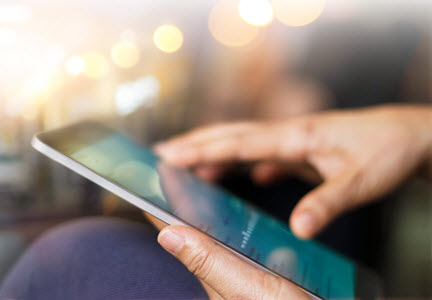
x=323, y=204
x=225, y=273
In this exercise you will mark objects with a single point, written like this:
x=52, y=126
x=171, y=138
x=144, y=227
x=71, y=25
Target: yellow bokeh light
x=15, y=13
x=256, y=12
x=125, y=54
x=75, y=65
x=298, y=12
x=227, y=27
x=168, y=38
x=7, y=36
x=96, y=65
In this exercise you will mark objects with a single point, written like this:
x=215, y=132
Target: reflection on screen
x=222, y=215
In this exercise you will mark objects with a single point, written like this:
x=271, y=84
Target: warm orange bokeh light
x=96, y=65
x=168, y=38
x=256, y=12
x=298, y=12
x=227, y=27
x=125, y=54
x=75, y=65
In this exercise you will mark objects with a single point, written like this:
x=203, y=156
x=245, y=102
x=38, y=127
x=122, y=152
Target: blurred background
x=156, y=68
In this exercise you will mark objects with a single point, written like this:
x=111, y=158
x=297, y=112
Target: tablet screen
x=225, y=217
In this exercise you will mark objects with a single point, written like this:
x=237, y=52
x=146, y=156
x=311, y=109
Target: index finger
x=286, y=141
x=207, y=133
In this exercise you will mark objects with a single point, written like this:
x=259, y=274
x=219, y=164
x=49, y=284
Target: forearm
x=428, y=170
x=426, y=123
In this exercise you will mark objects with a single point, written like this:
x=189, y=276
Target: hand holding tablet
x=266, y=260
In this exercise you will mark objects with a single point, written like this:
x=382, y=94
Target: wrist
x=418, y=119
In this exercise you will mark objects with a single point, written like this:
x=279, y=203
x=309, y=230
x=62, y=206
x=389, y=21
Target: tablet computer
x=176, y=197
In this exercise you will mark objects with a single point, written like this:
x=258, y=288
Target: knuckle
x=231, y=125
x=297, y=138
x=244, y=153
x=201, y=263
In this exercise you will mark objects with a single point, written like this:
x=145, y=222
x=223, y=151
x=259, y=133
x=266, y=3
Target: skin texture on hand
x=357, y=156
x=224, y=275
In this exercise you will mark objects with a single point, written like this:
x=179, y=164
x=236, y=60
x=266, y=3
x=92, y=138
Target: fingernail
x=171, y=241
x=305, y=224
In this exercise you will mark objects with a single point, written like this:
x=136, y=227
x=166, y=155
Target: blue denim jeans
x=99, y=258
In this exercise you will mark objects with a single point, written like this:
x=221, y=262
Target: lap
x=100, y=258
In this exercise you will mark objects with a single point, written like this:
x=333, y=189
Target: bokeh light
x=96, y=65
x=125, y=54
x=31, y=94
x=298, y=12
x=227, y=27
x=130, y=96
x=75, y=65
x=7, y=36
x=168, y=38
x=15, y=13
x=256, y=12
